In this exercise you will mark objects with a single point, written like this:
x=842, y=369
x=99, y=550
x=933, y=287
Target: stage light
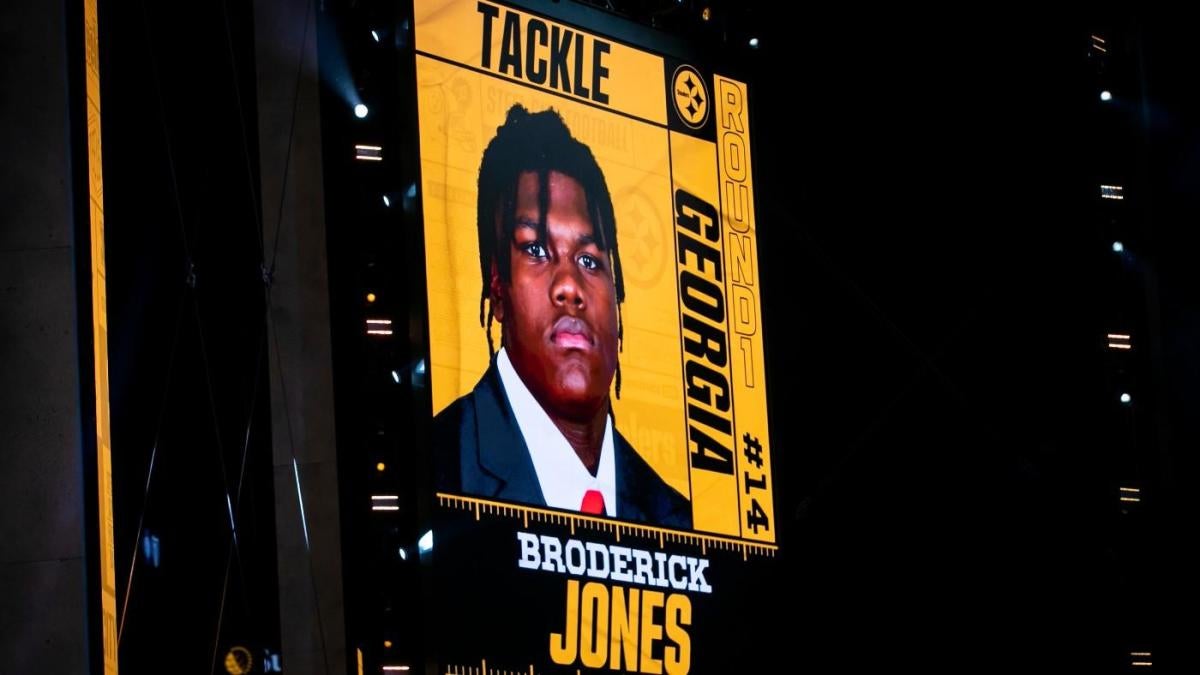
x=403, y=556
x=396, y=377
x=387, y=202
x=754, y=43
x=1106, y=95
x=1126, y=399
x=300, y=500
x=375, y=35
x=402, y=36
x=368, y=153
x=420, y=367
x=150, y=548
x=360, y=111
x=410, y=198
x=706, y=14
x=380, y=467
x=370, y=297
x=1118, y=247
x=379, y=326
x=425, y=543
x=1112, y=192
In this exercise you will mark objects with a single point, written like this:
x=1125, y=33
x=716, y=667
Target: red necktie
x=593, y=502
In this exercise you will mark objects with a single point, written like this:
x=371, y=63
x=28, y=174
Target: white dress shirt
x=563, y=477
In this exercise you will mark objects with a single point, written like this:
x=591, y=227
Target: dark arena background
x=973, y=291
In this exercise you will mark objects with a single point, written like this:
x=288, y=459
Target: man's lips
x=571, y=332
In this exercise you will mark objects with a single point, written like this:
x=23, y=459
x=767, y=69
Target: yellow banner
x=709, y=432
x=745, y=309
x=544, y=54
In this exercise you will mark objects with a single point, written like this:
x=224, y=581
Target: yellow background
x=749, y=389
x=714, y=495
x=459, y=113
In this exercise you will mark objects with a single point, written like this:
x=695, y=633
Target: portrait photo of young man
x=538, y=428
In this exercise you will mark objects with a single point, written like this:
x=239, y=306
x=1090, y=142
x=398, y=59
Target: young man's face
x=559, y=312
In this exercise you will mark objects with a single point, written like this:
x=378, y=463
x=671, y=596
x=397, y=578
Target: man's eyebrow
x=581, y=240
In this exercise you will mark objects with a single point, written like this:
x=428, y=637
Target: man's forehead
x=583, y=232
x=563, y=187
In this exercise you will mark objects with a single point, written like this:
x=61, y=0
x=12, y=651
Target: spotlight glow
x=1126, y=398
x=387, y=202
x=1106, y=95
x=360, y=111
x=754, y=43
x=1118, y=247
x=396, y=377
x=425, y=543
x=375, y=35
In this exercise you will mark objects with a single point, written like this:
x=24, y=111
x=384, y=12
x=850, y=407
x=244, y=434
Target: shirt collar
x=563, y=477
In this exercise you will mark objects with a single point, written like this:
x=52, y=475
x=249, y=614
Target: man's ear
x=496, y=287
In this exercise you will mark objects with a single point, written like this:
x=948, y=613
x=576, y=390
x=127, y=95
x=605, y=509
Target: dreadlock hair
x=538, y=143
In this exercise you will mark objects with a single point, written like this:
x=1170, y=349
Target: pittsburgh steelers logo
x=644, y=246
x=691, y=96
x=238, y=661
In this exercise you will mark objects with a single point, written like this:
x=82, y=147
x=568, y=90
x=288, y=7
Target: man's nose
x=567, y=288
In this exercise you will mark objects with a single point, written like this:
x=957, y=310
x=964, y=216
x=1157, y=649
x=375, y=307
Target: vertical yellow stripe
x=108, y=572
x=714, y=493
x=755, y=483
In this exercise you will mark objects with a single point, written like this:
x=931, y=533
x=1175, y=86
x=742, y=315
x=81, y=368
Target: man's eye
x=589, y=262
x=535, y=249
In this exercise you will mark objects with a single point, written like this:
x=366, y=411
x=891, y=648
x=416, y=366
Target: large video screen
x=600, y=435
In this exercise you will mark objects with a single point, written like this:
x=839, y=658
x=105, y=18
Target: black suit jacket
x=480, y=451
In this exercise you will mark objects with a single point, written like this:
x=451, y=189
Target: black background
x=490, y=609
x=937, y=277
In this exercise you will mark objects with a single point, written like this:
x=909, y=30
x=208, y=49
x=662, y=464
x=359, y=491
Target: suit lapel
x=629, y=480
x=502, y=451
